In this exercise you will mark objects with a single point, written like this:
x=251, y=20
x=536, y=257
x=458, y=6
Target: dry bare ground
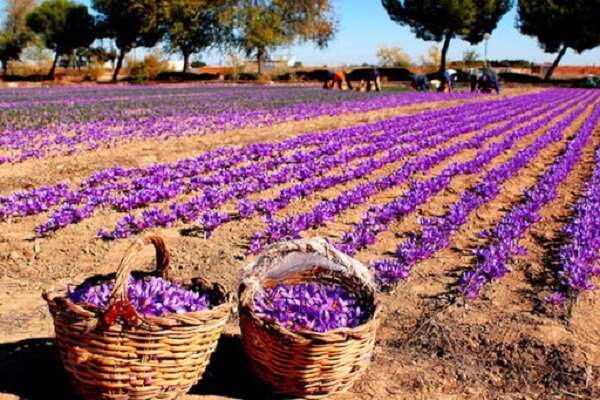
x=507, y=345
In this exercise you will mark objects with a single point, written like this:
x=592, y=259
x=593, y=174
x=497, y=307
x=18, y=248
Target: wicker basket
x=141, y=357
x=304, y=363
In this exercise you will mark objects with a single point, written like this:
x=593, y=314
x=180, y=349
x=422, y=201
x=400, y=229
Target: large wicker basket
x=304, y=363
x=137, y=357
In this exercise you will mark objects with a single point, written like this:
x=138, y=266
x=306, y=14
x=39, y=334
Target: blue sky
x=364, y=25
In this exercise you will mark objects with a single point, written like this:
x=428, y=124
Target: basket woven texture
x=141, y=357
x=303, y=363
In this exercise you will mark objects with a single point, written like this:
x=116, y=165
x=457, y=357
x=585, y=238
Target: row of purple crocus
x=41, y=199
x=504, y=238
x=162, y=182
x=436, y=232
x=378, y=218
x=52, y=130
x=580, y=257
x=364, y=233
x=306, y=168
x=125, y=189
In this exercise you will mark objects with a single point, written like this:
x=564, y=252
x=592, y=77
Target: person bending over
x=420, y=83
x=339, y=78
x=488, y=81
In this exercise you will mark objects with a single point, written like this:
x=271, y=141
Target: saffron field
x=479, y=215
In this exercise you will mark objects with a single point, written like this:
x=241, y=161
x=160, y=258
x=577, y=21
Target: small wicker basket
x=304, y=363
x=139, y=358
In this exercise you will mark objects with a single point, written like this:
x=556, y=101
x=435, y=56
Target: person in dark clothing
x=374, y=78
x=488, y=81
x=420, y=83
x=449, y=80
x=473, y=79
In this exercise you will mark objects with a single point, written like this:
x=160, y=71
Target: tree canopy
x=14, y=34
x=130, y=23
x=268, y=24
x=445, y=19
x=393, y=57
x=561, y=24
x=63, y=26
x=195, y=25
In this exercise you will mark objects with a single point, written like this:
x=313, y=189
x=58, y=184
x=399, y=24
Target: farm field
x=479, y=215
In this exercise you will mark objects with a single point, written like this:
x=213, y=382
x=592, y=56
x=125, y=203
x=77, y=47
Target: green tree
x=87, y=56
x=445, y=19
x=131, y=23
x=63, y=26
x=561, y=24
x=14, y=34
x=393, y=57
x=268, y=24
x=37, y=54
x=195, y=25
x=470, y=57
x=11, y=45
x=433, y=57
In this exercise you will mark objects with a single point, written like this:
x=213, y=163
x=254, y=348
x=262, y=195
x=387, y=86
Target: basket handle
x=118, y=304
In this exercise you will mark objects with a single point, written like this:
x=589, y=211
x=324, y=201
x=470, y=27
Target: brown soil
x=507, y=345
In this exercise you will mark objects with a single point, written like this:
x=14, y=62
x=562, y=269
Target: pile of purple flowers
x=311, y=306
x=149, y=296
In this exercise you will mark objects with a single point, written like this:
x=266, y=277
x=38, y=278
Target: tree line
x=258, y=26
x=185, y=26
x=557, y=24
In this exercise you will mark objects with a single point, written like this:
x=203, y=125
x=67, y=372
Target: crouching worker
x=420, y=83
x=374, y=80
x=473, y=78
x=339, y=78
x=488, y=81
x=369, y=80
x=449, y=80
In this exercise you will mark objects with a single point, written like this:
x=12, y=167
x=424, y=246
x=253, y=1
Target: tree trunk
x=4, y=69
x=560, y=55
x=444, y=52
x=260, y=59
x=186, y=61
x=120, y=59
x=53, y=68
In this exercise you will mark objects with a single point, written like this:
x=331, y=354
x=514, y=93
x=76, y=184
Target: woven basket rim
x=87, y=310
x=253, y=277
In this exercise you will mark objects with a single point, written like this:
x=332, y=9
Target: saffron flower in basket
x=310, y=306
x=153, y=296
